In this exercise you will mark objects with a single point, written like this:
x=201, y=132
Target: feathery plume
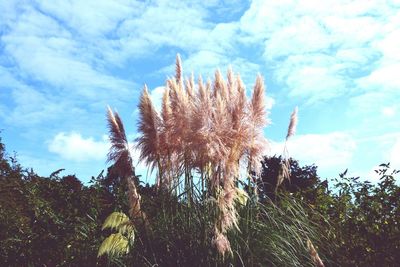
x=285, y=165
x=166, y=112
x=292, y=124
x=239, y=108
x=166, y=106
x=231, y=81
x=209, y=132
x=178, y=69
x=190, y=86
x=134, y=198
x=202, y=89
x=283, y=173
x=257, y=120
x=221, y=242
x=257, y=105
x=180, y=106
x=220, y=86
x=149, y=122
x=119, y=150
x=190, y=93
x=119, y=154
x=314, y=254
x=165, y=148
x=202, y=126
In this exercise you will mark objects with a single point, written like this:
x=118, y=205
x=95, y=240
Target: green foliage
x=180, y=235
x=360, y=218
x=366, y=218
x=49, y=221
x=303, y=180
x=57, y=221
x=241, y=197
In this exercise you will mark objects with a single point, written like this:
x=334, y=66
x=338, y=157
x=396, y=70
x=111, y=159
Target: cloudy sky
x=62, y=62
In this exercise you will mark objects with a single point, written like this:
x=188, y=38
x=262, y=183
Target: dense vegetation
x=56, y=220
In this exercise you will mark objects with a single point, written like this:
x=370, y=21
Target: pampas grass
x=149, y=123
x=120, y=156
x=203, y=133
x=284, y=172
x=292, y=124
x=198, y=144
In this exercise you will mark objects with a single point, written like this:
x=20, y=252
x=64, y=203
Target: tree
x=303, y=180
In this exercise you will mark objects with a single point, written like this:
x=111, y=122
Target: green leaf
x=116, y=220
x=114, y=245
x=241, y=196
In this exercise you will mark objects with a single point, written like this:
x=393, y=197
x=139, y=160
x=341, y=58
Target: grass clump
x=205, y=148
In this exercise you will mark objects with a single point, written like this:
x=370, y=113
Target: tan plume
x=257, y=105
x=205, y=130
x=293, y=124
x=178, y=69
x=220, y=87
x=120, y=156
x=149, y=122
x=314, y=254
x=231, y=81
x=119, y=150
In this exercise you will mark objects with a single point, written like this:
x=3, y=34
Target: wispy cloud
x=45, y=52
x=319, y=48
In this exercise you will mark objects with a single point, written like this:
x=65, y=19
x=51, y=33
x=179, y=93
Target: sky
x=63, y=62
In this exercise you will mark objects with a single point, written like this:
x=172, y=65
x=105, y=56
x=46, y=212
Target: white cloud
x=87, y=152
x=302, y=35
x=156, y=97
x=74, y=147
x=330, y=151
x=389, y=111
x=52, y=72
x=47, y=60
x=205, y=61
x=355, y=57
x=390, y=45
x=313, y=77
x=384, y=78
x=318, y=48
x=349, y=32
x=93, y=18
x=318, y=83
x=374, y=112
x=140, y=167
x=395, y=154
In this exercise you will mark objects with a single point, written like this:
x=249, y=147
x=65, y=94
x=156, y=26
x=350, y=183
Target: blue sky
x=62, y=62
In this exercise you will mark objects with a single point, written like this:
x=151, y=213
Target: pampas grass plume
x=293, y=124
x=314, y=254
